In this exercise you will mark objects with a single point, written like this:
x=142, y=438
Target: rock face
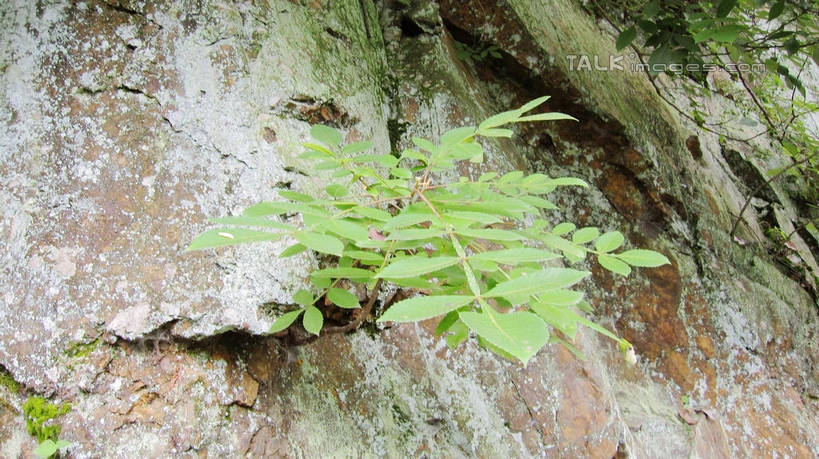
x=128, y=124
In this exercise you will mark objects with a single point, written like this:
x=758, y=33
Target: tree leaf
x=296, y=196
x=222, y=237
x=371, y=212
x=613, y=264
x=266, y=208
x=537, y=282
x=348, y=229
x=643, y=258
x=357, y=147
x=456, y=135
x=303, y=298
x=414, y=234
x=415, y=266
x=363, y=255
x=609, y=241
x=491, y=234
x=459, y=334
x=564, y=319
x=343, y=299
x=776, y=9
x=405, y=219
x=563, y=228
x=336, y=190
x=552, y=116
x=285, y=320
x=561, y=297
x=46, y=448
x=423, y=307
x=625, y=38
x=345, y=273
x=293, y=250
x=520, y=334
x=584, y=235
x=725, y=7
x=515, y=256
x=252, y=221
x=727, y=33
x=446, y=323
x=320, y=242
x=313, y=320
x=326, y=135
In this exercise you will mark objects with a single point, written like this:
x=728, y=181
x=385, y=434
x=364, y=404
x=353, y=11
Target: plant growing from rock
x=479, y=254
x=39, y=414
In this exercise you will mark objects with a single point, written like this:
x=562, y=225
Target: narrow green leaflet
x=343, y=299
x=303, y=298
x=568, y=181
x=320, y=242
x=336, y=190
x=375, y=214
x=520, y=334
x=416, y=266
x=414, y=234
x=554, y=116
x=312, y=320
x=221, y=237
x=357, y=147
x=515, y=256
x=347, y=228
x=456, y=135
x=325, y=134
x=293, y=250
x=490, y=234
x=363, y=255
x=296, y=196
x=459, y=332
x=266, y=208
x=348, y=273
x=643, y=258
x=584, y=235
x=564, y=319
x=252, y=221
x=561, y=297
x=613, y=264
x=609, y=241
x=446, y=323
x=423, y=307
x=405, y=219
x=563, y=228
x=285, y=320
x=537, y=282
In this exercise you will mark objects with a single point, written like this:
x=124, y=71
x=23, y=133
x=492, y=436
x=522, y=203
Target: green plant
x=479, y=253
x=38, y=413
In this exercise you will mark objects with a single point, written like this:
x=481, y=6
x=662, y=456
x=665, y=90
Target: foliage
x=38, y=412
x=478, y=53
x=765, y=46
x=49, y=448
x=479, y=252
x=749, y=31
